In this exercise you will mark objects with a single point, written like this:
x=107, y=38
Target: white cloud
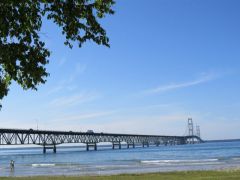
x=73, y=99
x=79, y=69
x=160, y=89
x=62, y=87
x=83, y=116
x=62, y=61
x=68, y=84
x=55, y=89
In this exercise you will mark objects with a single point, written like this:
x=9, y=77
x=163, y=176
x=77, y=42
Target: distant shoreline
x=222, y=140
x=224, y=174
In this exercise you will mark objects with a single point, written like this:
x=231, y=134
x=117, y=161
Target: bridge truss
x=50, y=139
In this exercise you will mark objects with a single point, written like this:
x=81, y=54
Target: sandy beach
x=184, y=175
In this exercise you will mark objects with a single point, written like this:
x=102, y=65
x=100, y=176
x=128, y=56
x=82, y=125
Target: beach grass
x=183, y=175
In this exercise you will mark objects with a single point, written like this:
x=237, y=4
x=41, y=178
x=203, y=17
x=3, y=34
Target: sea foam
x=42, y=165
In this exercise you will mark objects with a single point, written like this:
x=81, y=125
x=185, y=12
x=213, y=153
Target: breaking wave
x=170, y=161
x=42, y=165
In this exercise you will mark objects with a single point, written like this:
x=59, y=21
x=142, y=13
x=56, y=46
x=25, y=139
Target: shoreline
x=230, y=173
x=116, y=173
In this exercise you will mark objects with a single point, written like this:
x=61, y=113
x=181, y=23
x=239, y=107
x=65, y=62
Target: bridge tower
x=190, y=130
x=198, y=131
x=190, y=127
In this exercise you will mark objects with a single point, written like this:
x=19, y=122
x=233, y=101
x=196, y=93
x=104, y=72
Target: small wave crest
x=170, y=161
x=42, y=165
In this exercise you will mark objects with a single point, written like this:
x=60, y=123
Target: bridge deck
x=49, y=139
x=32, y=131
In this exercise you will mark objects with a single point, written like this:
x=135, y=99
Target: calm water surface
x=77, y=161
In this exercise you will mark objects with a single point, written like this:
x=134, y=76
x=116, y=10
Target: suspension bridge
x=50, y=139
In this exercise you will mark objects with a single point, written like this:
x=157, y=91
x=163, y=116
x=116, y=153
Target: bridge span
x=50, y=139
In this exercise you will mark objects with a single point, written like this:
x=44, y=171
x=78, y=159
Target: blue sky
x=169, y=60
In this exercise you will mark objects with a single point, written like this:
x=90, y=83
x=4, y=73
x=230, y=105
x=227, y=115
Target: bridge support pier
x=182, y=141
x=88, y=145
x=44, y=149
x=145, y=143
x=116, y=144
x=130, y=144
x=53, y=147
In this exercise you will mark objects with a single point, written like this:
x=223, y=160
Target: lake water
x=77, y=161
